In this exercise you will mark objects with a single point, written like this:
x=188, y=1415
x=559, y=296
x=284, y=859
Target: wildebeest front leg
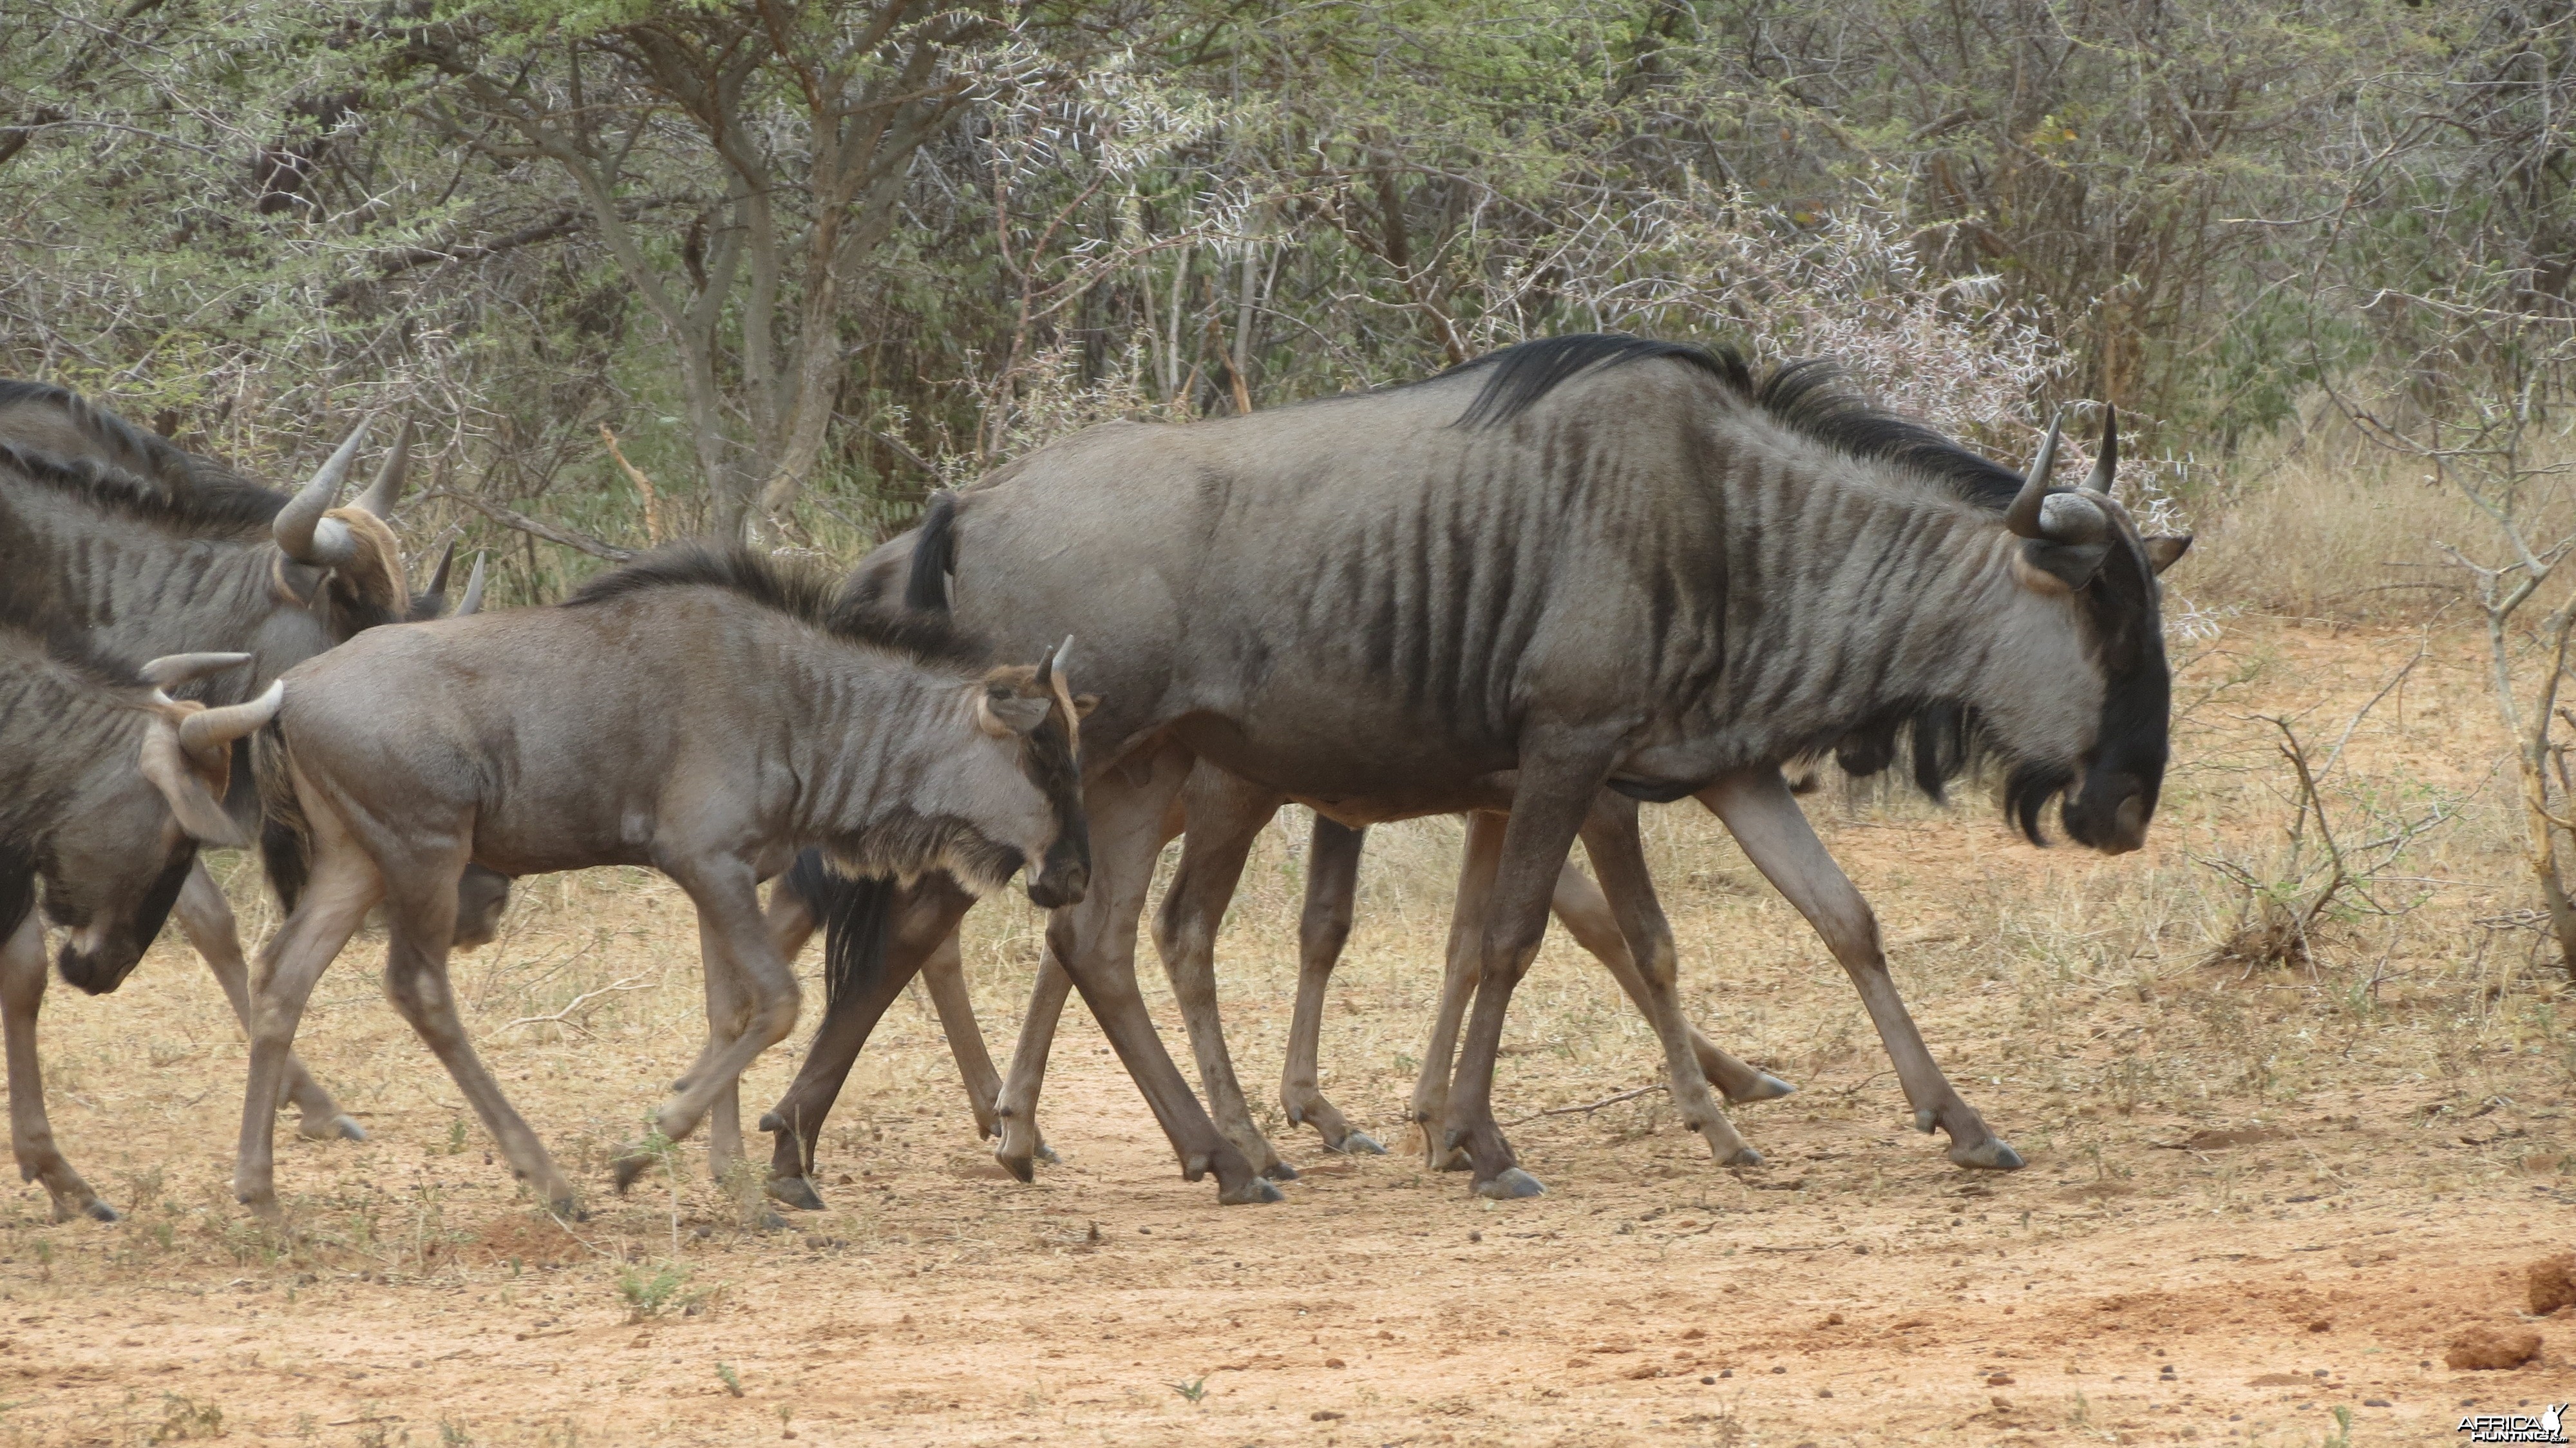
x=1015, y=1110
x=1225, y=816
x=1765, y=819
x=1587, y=916
x=926, y=913
x=420, y=918
x=1555, y=793
x=1096, y=941
x=1323, y=928
x=1610, y=835
x=31, y=1135
x=343, y=886
x=1460, y=971
x=726, y=1020
x=206, y=918
x=738, y=945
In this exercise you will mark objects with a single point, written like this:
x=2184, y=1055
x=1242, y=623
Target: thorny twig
x=564, y=1017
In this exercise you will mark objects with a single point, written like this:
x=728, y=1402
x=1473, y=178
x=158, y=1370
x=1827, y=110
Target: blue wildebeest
x=702, y=712
x=1575, y=564
x=107, y=787
x=142, y=548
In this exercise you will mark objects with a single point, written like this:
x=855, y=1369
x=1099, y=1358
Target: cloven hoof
x=1360, y=1143
x=796, y=1192
x=1512, y=1185
x=98, y=1211
x=626, y=1169
x=1992, y=1154
x=338, y=1128
x=1744, y=1156
x=1280, y=1171
x=1254, y=1191
x=1924, y=1121
x=1767, y=1087
x=1046, y=1153
x=1018, y=1166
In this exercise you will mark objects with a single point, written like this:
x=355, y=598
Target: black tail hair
x=857, y=917
x=285, y=839
x=934, y=555
x=17, y=892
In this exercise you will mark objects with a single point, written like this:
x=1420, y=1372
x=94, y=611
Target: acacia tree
x=740, y=163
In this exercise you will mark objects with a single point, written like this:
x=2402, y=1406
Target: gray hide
x=697, y=712
x=1593, y=560
x=107, y=787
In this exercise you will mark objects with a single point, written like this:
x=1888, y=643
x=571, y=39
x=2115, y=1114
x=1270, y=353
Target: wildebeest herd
x=1541, y=589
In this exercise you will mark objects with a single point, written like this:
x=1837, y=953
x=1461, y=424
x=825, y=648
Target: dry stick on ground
x=643, y=486
x=1587, y=1110
x=564, y=1017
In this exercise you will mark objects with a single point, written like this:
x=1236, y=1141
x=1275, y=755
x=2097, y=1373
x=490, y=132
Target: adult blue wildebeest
x=107, y=787
x=705, y=713
x=143, y=548
x=1581, y=563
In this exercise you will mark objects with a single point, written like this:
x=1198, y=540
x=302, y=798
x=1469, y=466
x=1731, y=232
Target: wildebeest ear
x=2165, y=548
x=1002, y=712
x=2060, y=567
x=1083, y=704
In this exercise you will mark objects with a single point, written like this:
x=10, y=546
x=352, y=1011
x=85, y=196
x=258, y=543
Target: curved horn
x=1064, y=652
x=210, y=729
x=436, y=593
x=302, y=531
x=1046, y=667
x=2023, y=516
x=2106, y=463
x=170, y=669
x=473, y=601
x=380, y=494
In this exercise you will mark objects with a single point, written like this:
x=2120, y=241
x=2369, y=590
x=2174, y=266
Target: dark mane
x=141, y=450
x=800, y=593
x=226, y=505
x=1805, y=396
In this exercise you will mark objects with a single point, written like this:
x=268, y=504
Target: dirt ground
x=2262, y=1196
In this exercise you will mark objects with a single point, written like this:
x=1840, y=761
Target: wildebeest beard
x=907, y=846
x=116, y=958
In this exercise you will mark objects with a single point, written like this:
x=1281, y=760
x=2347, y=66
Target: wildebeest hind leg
x=1586, y=915
x=421, y=922
x=1765, y=819
x=1610, y=835
x=1323, y=928
x=342, y=887
x=206, y=918
x=1225, y=816
x=31, y=1135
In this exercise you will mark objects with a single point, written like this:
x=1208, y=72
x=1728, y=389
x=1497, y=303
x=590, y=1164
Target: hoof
x=1923, y=1121
x=264, y=1208
x=568, y=1209
x=1744, y=1156
x=1280, y=1171
x=1992, y=1154
x=770, y=1121
x=626, y=1169
x=1512, y=1185
x=768, y=1221
x=1018, y=1167
x=796, y=1192
x=98, y=1211
x=1254, y=1191
x=1046, y=1153
x=1765, y=1088
x=338, y=1128
x=1360, y=1143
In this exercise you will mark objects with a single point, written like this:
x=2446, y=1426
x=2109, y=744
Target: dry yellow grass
x=2221, y=1157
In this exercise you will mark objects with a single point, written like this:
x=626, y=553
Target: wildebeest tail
x=17, y=891
x=285, y=838
x=934, y=555
x=857, y=917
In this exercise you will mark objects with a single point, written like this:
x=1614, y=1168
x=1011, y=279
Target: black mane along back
x=799, y=593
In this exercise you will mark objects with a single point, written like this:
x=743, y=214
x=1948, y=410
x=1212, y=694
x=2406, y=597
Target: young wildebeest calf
x=107, y=787
x=701, y=712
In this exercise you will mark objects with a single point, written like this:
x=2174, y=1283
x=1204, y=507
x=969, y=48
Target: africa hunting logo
x=2549, y=1427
